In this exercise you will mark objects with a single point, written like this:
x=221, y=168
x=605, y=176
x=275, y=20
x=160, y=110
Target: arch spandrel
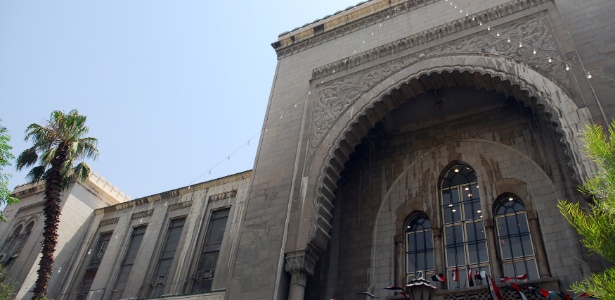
x=491, y=72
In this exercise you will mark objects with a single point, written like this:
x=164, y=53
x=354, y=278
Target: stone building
x=401, y=137
x=21, y=237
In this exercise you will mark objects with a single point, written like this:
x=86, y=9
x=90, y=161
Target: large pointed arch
x=490, y=72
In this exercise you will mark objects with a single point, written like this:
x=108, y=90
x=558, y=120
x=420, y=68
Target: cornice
x=467, y=22
x=289, y=46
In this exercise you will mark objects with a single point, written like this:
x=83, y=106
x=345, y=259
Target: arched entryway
x=514, y=85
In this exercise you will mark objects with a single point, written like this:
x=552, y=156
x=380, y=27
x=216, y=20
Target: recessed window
x=206, y=267
x=163, y=270
x=419, y=247
x=514, y=237
x=96, y=254
x=465, y=240
x=131, y=255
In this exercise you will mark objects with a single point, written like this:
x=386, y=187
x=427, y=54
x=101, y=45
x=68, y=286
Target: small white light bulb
x=589, y=75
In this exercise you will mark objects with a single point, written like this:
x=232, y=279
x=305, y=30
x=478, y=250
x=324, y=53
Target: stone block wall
x=196, y=204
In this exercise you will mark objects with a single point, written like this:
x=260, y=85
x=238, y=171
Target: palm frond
x=86, y=148
x=82, y=171
x=48, y=156
x=37, y=173
x=41, y=136
x=27, y=158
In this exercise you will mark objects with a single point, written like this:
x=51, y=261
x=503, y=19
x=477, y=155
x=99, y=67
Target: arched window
x=514, y=237
x=23, y=238
x=9, y=245
x=464, y=232
x=419, y=246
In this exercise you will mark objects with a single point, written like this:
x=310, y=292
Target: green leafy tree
x=7, y=287
x=60, y=146
x=596, y=221
x=5, y=157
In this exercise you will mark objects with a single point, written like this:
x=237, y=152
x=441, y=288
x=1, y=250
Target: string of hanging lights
x=365, y=43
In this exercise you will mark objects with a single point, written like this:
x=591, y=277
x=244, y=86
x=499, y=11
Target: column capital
x=300, y=262
x=531, y=215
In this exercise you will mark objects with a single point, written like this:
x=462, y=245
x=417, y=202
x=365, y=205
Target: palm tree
x=58, y=145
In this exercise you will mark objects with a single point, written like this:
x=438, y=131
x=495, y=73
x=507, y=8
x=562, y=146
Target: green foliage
x=596, y=222
x=5, y=157
x=7, y=288
x=61, y=133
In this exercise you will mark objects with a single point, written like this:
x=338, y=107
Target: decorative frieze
x=222, y=196
x=142, y=214
x=289, y=46
x=180, y=205
x=438, y=32
x=528, y=40
x=108, y=222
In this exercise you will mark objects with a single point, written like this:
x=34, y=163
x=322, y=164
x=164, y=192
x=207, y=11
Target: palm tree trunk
x=51, y=211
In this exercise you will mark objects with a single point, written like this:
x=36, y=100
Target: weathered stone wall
x=196, y=203
x=590, y=24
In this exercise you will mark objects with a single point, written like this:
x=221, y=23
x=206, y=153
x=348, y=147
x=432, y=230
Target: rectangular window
x=206, y=266
x=166, y=257
x=96, y=256
x=129, y=260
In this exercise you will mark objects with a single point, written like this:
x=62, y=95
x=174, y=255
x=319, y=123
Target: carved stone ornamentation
x=180, y=205
x=527, y=40
x=222, y=196
x=108, y=222
x=142, y=214
x=299, y=264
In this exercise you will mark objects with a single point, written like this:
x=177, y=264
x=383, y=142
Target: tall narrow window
x=96, y=256
x=166, y=257
x=419, y=247
x=206, y=266
x=129, y=260
x=514, y=237
x=465, y=240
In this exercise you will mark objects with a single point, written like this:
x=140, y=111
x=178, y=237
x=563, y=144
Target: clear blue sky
x=170, y=88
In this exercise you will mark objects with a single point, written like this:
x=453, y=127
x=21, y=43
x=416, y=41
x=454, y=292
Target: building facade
x=382, y=115
x=401, y=138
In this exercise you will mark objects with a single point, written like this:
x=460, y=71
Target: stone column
x=300, y=265
x=492, y=245
x=438, y=254
x=399, y=261
x=539, y=247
